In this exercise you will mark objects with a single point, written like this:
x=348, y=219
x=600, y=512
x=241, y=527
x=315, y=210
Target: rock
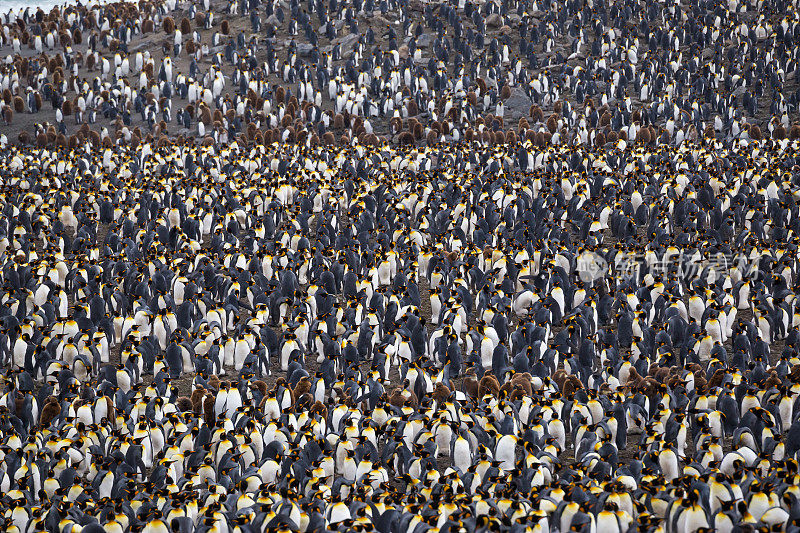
x=494, y=21
x=272, y=20
x=403, y=51
x=304, y=49
x=518, y=104
x=425, y=40
x=347, y=42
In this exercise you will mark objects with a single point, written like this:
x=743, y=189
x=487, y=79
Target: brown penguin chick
x=19, y=402
x=396, y=124
x=280, y=382
x=662, y=374
x=695, y=369
x=536, y=114
x=600, y=140
x=338, y=122
x=302, y=387
x=184, y=404
x=560, y=378
x=794, y=374
x=488, y=385
x=779, y=133
x=700, y=383
x=650, y=387
x=197, y=400
x=402, y=397
x=433, y=138
x=451, y=256
x=208, y=408
x=507, y=388
x=418, y=130
x=716, y=378
x=773, y=381
x=794, y=132
x=168, y=25
x=572, y=385
x=280, y=96
x=205, y=115
x=516, y=394
x=319, y=409
x=440, y=393
x=674, y=382
x=213, y=382
x=523, y=381
x=50, y=411
x=634, y=379
x=470, y=383
x=406, y=138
